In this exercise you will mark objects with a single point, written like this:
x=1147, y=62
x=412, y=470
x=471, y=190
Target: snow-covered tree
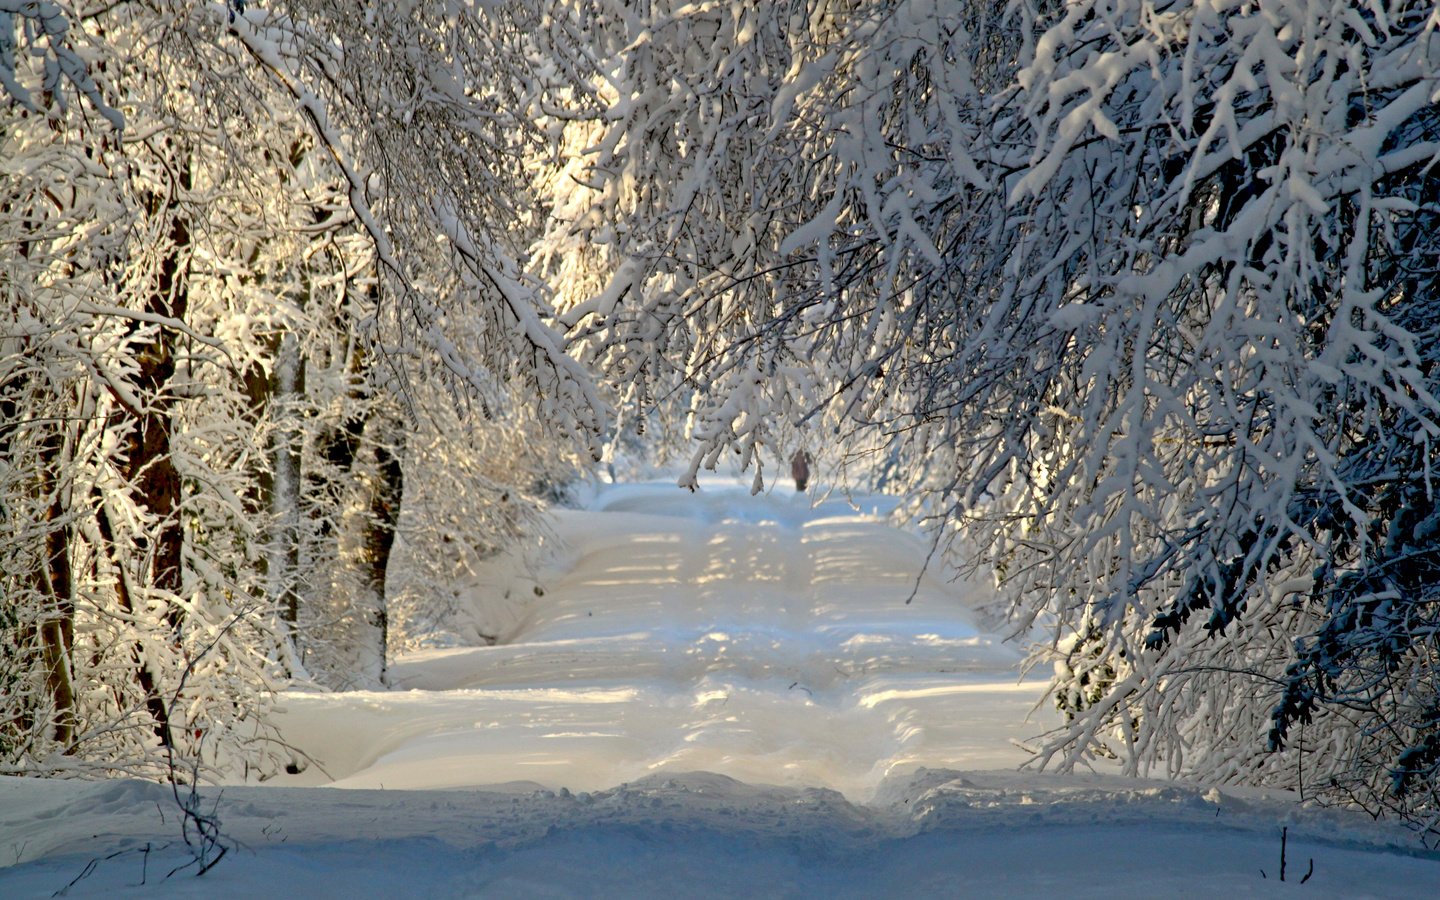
x=225, y=296
x=149, y=645
x=1240, y=331
x=423, y=111
x=1134, y=295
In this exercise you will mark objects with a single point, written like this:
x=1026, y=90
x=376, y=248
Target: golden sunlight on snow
x=761, y=638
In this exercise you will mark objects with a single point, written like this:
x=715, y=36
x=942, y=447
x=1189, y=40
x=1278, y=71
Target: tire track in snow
x=757, y=637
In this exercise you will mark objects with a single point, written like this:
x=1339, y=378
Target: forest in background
x=310, y=311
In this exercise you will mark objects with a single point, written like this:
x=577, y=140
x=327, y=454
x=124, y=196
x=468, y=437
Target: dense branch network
x=1131, y=295
x=1134, y=299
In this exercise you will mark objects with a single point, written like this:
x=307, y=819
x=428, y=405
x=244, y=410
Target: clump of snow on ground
x=712, y=695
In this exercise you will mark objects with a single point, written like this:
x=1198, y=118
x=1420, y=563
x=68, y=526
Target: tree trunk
x=52, y=630
x=283, y=550
x=57, y=622
x=278, y=485
x=287, y=388
x=149, y=467
x=48, y=630
x=147, y=464
x=149, y=684
x=280, y=395
x=387, y=490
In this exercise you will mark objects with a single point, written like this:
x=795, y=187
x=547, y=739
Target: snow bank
x=929, y=834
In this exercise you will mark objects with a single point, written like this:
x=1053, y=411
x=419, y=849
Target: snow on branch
x=43, y=21
x=400, y=199
x=1135, y=294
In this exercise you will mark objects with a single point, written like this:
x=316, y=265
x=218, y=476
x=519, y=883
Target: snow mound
x=931, y=833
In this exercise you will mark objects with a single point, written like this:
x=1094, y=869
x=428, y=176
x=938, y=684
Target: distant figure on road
x=800, y=469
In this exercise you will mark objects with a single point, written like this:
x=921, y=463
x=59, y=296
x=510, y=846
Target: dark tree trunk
x=57, y=622
x=258, y=390
x=149, y=466
x=52, y=631
x=149, y=684
x=285, y=497
x=50, y=634
x=386, y=494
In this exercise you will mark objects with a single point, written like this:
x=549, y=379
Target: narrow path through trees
x=756, y=637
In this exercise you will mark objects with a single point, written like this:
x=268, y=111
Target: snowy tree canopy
x=1133, y=298
x=223, y=288
x=1137, y=295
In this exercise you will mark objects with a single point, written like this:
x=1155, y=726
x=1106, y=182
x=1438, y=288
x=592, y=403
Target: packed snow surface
x=757, y=637
x=711, y=695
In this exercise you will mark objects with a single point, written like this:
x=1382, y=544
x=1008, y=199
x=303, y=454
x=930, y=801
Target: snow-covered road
x=689, y=654
x=764, y=638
